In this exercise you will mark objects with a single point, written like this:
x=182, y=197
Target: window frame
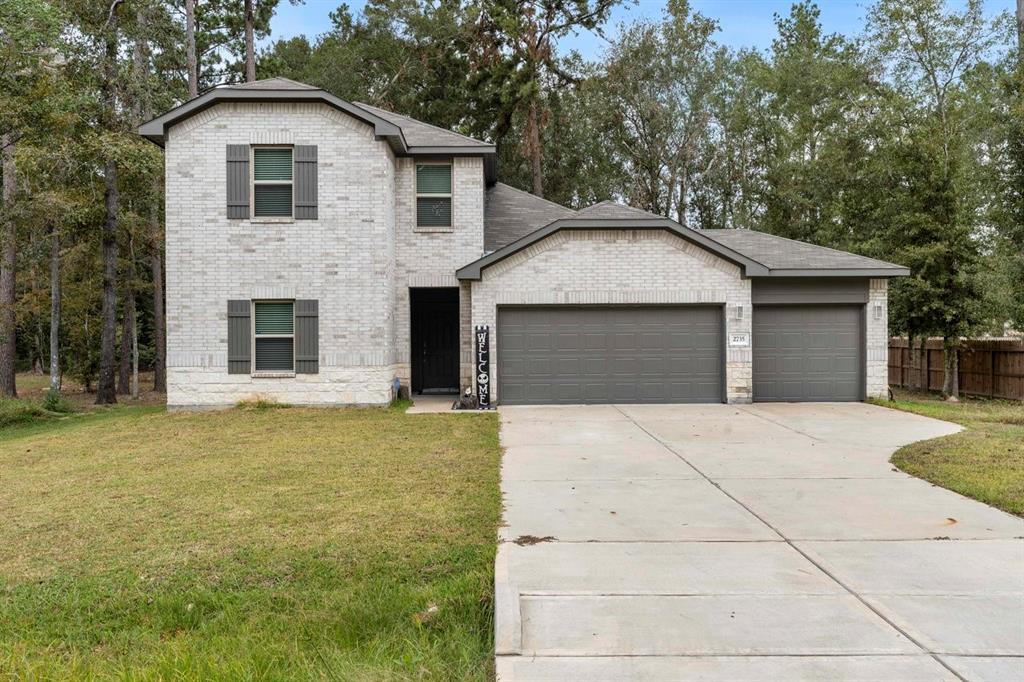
x=434, y=195
x=271, y=372
x=253, y=182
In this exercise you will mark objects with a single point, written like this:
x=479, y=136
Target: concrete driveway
x=764, y=542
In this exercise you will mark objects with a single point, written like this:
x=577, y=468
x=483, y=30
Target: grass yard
x=984, y=461
x=259, y=544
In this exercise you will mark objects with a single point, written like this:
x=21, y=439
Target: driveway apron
x=754, y=542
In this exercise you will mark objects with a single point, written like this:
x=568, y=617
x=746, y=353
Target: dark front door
x=435, y=340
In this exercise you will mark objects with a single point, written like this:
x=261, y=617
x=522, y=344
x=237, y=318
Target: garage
x=808, y=353
x=607, y=354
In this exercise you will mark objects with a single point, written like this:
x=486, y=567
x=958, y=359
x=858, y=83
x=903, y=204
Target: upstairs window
x=272, y=182
x=274, y=339
x=433, y=195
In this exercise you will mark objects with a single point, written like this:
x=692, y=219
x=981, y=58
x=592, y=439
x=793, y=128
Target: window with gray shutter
x=272, y=182
x=307, y=337
x=305, y=182
x=274, y=338
x=239, y=337
x=433, y=195
x=238, y=181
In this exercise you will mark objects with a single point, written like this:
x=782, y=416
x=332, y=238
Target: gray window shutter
x=239, y=338
x=305, y=182
x=307, y=337
x=238, y=180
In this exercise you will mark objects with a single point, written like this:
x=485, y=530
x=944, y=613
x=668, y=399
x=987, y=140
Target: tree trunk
x=1020, y=27
x=250, y=55
x=106, y=390
x=951, y=363
x=533, y=147
x=8, y=263
x=54, y=309
x=124, y=373
x=190, y=49
x=106, y=393
x=156, y=262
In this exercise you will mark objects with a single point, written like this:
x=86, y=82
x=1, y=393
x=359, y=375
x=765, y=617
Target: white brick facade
x=364, y=253
x=346, y=259
x=429, y=257
x=619, y=267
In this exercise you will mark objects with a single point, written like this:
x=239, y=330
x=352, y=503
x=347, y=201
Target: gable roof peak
x=275, y=83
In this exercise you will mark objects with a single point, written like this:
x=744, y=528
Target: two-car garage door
x=674, y=354
x=608, y=354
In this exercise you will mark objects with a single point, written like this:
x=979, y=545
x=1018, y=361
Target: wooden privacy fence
x=993, y=368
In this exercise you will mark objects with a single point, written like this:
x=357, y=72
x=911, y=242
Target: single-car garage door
x=808, y=353
x=598, y=354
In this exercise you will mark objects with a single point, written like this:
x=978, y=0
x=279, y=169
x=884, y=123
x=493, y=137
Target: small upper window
x=274, y=339
x=434, y=195
x=272, y=182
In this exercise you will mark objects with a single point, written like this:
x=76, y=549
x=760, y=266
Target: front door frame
x=434, y=339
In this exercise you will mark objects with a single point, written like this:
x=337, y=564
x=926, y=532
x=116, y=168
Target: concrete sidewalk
x=720, y=542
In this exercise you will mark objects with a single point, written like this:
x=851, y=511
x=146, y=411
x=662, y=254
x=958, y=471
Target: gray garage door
x=808, y=353
x=565, y=354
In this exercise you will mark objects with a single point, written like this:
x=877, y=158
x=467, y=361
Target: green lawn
x=984, y=461
x=248, y=544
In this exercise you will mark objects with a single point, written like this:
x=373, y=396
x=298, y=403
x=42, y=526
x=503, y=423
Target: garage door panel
x=610, y=354
x=807, y=353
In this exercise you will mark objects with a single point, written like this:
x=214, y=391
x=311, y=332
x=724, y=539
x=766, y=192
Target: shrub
x=14, y=412
x=53, y=401
x=260, y=402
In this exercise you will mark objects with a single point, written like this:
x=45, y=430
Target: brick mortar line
x=789, y=542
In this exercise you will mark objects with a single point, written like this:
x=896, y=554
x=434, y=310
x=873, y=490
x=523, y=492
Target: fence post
x=927, y=366
x=992, y=373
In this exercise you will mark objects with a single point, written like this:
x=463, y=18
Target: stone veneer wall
x=345, y=259
x=877, y=333
x=619, y=267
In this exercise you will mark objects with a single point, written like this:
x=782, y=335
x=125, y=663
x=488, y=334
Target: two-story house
x=318, y=250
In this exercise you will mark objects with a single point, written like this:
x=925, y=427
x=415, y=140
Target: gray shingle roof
x=609, y=210
x=511, y=213
x=271, y=84
x=779, y=253
x=420, y=134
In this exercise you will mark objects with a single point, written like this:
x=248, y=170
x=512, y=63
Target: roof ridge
x=534, y=196
x=416, y=120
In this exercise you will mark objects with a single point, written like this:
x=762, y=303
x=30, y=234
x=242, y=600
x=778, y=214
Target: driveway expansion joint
x=806, y=556
x=629, y=533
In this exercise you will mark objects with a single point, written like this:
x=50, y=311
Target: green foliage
x=53, y=401
x=15, y=412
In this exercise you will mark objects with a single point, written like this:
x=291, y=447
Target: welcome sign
x=483, y=366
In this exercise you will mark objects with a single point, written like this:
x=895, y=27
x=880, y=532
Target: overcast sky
x=743, y=23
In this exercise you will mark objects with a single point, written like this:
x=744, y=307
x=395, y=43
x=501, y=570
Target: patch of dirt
x=533, y=540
